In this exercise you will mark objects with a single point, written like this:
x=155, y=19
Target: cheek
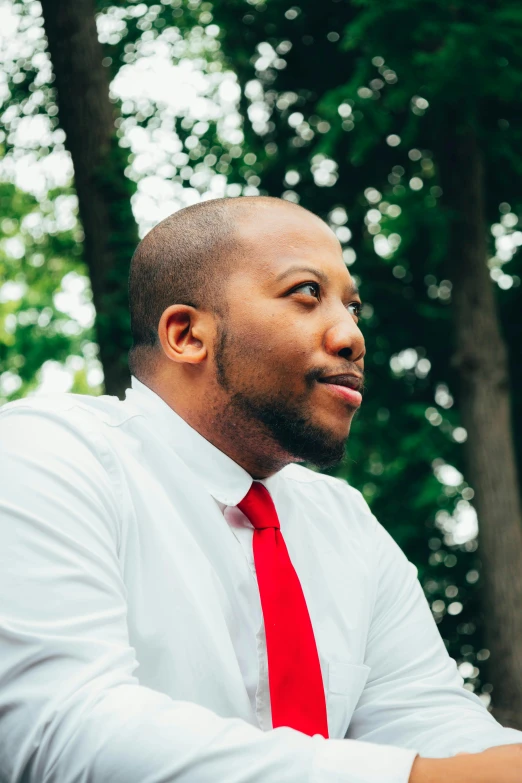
x=268, y=355
x=281, y=345
x=258, y=332
x=272, y=344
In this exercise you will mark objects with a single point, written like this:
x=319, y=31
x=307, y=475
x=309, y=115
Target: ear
x=183, y=333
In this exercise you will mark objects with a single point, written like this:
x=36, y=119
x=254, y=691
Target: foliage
x=46, y=315
x=41, y=272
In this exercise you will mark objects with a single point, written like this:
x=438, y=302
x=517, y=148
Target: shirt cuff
x=351, y=761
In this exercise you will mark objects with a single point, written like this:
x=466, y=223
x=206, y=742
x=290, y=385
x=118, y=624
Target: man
x=181, y=600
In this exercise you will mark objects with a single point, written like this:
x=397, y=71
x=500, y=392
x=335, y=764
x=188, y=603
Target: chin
x=324, y=462
x=326, y=453
x=338, y=430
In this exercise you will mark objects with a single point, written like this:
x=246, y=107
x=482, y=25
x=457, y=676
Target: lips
x=345, y=386
x=348, y=380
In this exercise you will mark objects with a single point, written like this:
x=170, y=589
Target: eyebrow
x=353, y=290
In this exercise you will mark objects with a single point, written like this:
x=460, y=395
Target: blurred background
x=400, y=123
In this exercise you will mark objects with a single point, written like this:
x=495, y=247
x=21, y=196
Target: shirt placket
x=244, y=534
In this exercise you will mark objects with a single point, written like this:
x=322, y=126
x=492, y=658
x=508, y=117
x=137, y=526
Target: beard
x=288, y=420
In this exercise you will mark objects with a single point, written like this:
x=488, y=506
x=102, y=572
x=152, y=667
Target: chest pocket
x=346, y=682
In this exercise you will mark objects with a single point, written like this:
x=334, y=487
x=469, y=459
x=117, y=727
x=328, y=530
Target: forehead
x=273, y=239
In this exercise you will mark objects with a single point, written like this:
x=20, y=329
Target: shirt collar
x=223, y=478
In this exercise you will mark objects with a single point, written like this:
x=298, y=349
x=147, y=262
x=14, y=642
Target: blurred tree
x=197, y=153
x=87, y=116
x=344, y=100
x=46, y=312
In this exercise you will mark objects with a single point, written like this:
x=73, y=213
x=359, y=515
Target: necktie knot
x=258, y=507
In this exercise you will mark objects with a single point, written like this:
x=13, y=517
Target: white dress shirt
x=132, y=646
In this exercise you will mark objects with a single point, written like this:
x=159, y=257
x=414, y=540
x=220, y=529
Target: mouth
x=346, y=386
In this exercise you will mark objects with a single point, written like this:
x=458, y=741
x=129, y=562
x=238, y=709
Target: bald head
x=186, y=259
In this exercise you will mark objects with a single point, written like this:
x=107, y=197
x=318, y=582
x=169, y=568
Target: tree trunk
x=485, y=405
x=86, y=115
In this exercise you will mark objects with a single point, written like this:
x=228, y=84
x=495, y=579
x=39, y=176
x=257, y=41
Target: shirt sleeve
x=71, y=707
x=414, y=696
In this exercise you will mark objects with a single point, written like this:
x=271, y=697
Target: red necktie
x=294, y=674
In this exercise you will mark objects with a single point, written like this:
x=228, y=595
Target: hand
x=502, y=764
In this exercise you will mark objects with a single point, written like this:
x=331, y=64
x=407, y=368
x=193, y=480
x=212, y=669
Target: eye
x=313, y=287
x=356, y=308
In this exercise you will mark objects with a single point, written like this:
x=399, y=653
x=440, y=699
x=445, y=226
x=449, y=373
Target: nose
x=344, y=338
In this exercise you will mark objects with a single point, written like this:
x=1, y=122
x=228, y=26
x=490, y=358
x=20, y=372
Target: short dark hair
x=178, y=262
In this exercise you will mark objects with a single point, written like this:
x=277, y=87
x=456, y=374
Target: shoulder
x=75, y=425
x=298, y=474
x=347, y=509
x=65, y=441
x=335, y=493
x=58, y=464
x=73, y=411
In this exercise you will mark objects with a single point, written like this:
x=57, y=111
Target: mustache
x=357, y=376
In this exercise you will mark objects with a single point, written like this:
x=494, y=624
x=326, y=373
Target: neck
x=246, y=442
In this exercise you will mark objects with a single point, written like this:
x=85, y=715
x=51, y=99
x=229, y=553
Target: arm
x=497, y=765
x=414, y=696
x=71, y=706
